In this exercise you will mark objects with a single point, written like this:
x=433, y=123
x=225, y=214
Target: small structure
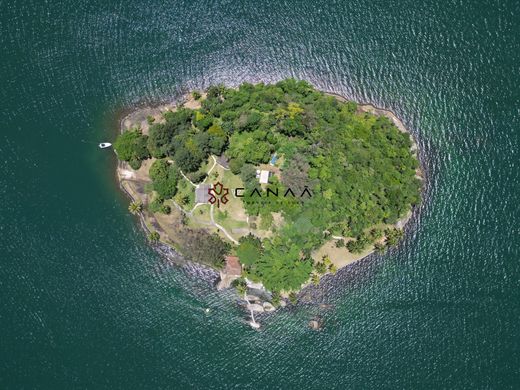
x=263, y=176
x=201, y=193
x=233, y=267
x=232, y=271
x=223, y=161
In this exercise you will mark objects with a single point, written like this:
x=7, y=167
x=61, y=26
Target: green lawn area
x=201, y=217
x=185, y=196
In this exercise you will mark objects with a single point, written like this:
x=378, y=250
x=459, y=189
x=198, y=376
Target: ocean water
x=86, y=303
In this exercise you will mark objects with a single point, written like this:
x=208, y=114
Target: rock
x=253, y=285
x=283, y=303
x=255, y=307
x=253, y=298
x=314, y=325
x=268, y=306
x=254, y=325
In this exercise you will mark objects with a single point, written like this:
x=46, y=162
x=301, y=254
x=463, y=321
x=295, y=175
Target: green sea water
x=86, y=303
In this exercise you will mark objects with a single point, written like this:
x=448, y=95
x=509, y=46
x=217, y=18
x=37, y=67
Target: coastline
x=149, y=220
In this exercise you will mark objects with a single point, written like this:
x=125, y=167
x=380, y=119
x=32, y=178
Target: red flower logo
x=218, y=194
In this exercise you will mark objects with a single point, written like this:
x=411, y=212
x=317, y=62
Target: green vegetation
x=135, y=207
x=132, y=147
x=158, y=206
x=240, y=285
x=154, y=237
x=393, y=236
x=165, y=177
x=356, y=167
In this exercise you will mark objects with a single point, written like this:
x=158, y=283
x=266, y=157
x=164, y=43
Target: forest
x=358, y=167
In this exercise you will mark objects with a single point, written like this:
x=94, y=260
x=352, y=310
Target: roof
x=264, y=177
x=233, y=266
x=201, y=193
x=223, y=161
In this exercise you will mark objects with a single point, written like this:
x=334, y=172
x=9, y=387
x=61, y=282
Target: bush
x=358, y=245
x=379, y=247
x=154, y=237
x=235, y=165
x=320, y=268
x=165, y=177
x=240, y=285
x=158, y=206
x=132, y=146
x=393, y=235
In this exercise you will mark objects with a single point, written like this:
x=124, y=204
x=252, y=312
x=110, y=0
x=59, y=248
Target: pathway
x=221, y=227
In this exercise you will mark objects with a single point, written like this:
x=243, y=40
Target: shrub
x=320, y=268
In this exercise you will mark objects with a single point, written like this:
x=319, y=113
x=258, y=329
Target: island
x=274, y=185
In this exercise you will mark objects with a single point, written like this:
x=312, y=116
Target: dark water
x=85, y=303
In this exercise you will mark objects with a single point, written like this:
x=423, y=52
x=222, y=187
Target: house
x=201, y=193
x=263, y=176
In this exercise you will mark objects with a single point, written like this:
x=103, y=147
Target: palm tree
x=154, y=237
x=135, y=207
x=379, y=247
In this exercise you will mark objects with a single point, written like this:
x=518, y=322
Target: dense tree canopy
x=165, y=177
x=357, y=166
x=131, y=146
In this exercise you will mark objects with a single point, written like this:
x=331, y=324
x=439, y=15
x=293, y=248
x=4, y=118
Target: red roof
x=233, y=266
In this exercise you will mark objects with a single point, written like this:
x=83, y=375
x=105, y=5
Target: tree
x=249, y=249
x=241, y=286
x=131, y=146
x=235, y=165
x=186, y=160
x=248, y=173
x=154, y=237
x=160, y=140
x=379, y=247
x=320, y=268
x=135, y=207
x=393, y=235
x=165, y=177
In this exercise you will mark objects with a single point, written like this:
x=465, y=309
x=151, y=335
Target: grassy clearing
x=185, y=196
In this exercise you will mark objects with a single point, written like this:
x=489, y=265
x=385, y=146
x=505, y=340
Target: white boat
x=104, y=145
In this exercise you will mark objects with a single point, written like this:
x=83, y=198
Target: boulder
x=268, y=306
x=255, y=307
x=314, y=325
x=253, y=298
